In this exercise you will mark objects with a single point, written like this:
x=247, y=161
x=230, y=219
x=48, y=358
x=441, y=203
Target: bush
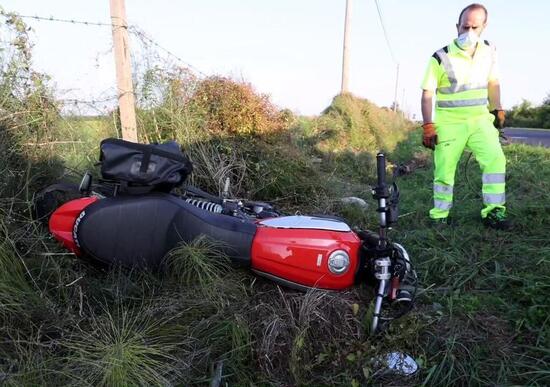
x=357, y=125
x=233, y=107
x=525, y=115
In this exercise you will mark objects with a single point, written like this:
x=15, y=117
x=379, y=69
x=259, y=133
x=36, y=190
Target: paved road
x=529, y=136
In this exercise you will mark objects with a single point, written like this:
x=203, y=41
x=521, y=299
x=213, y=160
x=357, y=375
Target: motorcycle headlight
x=338, y=262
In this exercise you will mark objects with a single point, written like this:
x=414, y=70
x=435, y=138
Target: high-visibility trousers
x=481, y=137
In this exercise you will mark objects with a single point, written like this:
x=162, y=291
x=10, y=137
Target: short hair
x=472, y=7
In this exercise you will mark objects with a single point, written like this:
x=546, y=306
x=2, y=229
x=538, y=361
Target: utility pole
x=403, y=104
x=126, y=101
x=395, y=92
x=345, y=56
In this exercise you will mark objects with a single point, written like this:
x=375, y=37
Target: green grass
x=17, y=296
x=482, y=316
x=121, y=347
x=491, y=324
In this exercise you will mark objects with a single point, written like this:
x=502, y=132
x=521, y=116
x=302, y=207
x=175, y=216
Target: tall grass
x=121, y=347
x=199, y=262
x=18, y=297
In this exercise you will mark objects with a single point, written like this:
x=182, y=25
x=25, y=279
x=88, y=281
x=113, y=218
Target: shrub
x=234, y=107
x=357, y=125
x=528, y=116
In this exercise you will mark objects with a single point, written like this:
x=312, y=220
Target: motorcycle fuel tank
x=306, y=251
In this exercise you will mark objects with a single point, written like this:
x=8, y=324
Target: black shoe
x=497, y=219
x=404, y=296
x=439, y=223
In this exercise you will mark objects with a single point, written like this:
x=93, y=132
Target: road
x=529, y=136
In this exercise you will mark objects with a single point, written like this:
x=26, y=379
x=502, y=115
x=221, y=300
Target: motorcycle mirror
x=86, y=184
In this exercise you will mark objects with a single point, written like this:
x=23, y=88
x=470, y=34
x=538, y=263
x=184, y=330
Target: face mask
x=467, y=40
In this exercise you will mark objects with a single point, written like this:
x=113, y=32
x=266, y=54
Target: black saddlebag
x=142, y=168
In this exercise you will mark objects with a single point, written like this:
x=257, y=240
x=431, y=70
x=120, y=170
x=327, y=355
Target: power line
x=385, y=32
x=132, y=29
x=395, y=61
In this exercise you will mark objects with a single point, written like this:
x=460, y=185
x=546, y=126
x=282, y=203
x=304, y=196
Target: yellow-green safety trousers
x=482, y=138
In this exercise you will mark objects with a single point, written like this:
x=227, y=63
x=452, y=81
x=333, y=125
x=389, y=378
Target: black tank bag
x=142, y=168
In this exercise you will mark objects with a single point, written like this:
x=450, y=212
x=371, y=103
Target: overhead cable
x=132, y=29
x=385, y=33
x=59, y=20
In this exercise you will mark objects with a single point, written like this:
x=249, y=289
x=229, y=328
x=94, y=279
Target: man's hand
x=429, y=138
x=500, y=117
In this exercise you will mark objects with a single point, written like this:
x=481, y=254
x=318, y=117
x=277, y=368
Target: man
x=464, y=77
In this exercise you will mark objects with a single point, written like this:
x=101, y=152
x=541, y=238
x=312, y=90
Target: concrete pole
x=395, y=92
x=403, y=104
x=345, y=56
x=126, y=101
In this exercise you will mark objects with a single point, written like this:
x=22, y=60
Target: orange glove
x=429, y=139
x=500, y=117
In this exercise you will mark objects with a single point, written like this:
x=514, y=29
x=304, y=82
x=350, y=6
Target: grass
x=121, y=347
x=482, y=316
x=488, y=285
x=17, y=296
x=198, y=262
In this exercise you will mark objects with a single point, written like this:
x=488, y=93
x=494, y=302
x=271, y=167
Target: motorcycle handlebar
x=381, y=169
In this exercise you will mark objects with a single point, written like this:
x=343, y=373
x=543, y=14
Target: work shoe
x=439, y=223
x=403, y=295
x=497, y=219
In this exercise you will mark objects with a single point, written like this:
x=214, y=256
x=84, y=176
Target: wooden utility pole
x=126, y=100
x=345, y=56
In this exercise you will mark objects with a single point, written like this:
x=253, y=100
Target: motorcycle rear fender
x=64, y=222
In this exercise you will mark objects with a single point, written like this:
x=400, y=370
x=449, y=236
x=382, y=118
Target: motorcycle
x=135, y=221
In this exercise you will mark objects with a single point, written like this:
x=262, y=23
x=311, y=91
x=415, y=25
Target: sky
x=292, y=49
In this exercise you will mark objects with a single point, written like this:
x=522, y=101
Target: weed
x=121, y=347
x=201, y=261
x=18, y=298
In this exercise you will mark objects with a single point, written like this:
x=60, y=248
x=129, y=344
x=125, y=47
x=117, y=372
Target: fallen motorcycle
x=141, y=209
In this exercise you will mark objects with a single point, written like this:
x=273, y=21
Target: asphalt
x=540, y=137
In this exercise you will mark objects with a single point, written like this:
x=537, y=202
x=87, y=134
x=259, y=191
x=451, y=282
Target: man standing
x=464, y=77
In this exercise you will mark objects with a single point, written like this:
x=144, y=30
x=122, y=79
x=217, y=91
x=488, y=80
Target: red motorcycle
x=133, y=217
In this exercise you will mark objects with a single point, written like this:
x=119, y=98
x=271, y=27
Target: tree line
x=526, y=115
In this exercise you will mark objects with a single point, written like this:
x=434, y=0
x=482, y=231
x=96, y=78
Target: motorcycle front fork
x=383, y=275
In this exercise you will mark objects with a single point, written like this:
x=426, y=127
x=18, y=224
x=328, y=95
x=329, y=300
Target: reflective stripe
x=462, y=103
x=446, y=62
x=442, y=205
x=456, y=89
x=445, y=189
x=490, y=198
x=493, y=178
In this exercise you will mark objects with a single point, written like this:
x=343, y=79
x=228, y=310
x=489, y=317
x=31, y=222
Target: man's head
x=472, y=18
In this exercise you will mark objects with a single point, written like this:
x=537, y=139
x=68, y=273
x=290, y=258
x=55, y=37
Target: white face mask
x=467, y=40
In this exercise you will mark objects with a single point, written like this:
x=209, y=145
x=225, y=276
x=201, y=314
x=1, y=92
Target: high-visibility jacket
x=460, y=81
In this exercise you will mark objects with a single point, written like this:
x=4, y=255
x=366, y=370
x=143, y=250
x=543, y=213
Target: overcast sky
x=292, y=49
